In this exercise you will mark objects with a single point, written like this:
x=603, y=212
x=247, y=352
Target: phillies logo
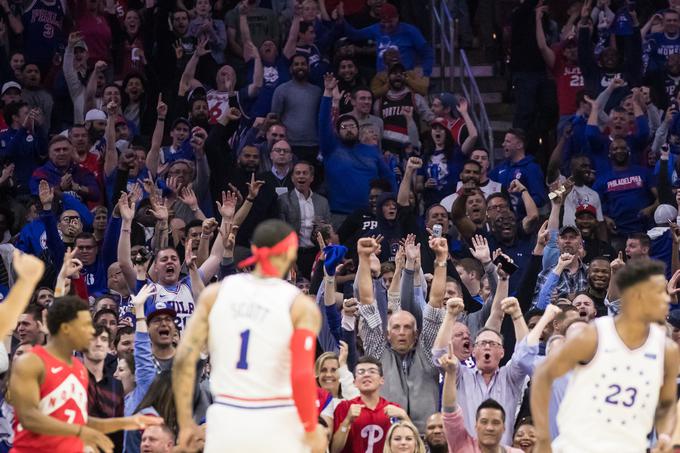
x=373, y=434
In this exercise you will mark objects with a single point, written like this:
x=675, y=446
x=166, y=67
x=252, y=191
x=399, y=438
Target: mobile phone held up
x=506, y=266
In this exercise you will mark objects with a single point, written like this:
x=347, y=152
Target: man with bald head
x=411, y=379
x=279, y=177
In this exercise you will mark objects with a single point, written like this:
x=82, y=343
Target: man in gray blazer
x=303, y=209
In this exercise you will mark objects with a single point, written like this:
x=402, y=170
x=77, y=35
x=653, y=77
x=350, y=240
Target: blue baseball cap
x=153, y=307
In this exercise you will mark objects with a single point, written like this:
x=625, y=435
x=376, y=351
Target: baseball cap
x=9, y=85
x=665, y=212
x=589, y=208
x=448, y=100
x=198, y=92
x=95, y=115
x=439, y=121
x=567, y=228
x=82, y=44
x=673, y=318
x=387, y=12
x=397, y=67
x=181, y=120
x=153, y=307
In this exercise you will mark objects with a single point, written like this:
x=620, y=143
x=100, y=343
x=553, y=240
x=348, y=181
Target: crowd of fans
x=141, y=143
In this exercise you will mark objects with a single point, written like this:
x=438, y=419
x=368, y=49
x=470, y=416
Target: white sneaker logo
x=55, y=370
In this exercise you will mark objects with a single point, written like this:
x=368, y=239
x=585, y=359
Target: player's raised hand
x=95, y=439
x=28, y=267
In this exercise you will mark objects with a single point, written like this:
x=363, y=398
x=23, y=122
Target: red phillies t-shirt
x=569, y=81
x=367, y=432
x=63, y=396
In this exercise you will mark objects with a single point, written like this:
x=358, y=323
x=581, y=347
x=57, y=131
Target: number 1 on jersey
x=242, y=363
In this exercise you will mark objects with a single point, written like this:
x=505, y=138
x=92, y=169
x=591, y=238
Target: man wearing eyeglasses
x=279, y=177
x=350, y=165
x=360, y=424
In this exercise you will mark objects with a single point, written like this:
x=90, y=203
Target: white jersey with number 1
x=610, y=402
x=250, y=329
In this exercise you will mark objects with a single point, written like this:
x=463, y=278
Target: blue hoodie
x=528, y=172
x=349, y=171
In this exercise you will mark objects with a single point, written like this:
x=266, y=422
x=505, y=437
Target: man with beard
x=65, y=425
x=435, y=441
x=393, y=106
x=261, y=196
x=199, y=114
x=628, y=195
x=349, y=80
x=469, y=178
x=586, y=222
x=296, y=102
x=583, y=176
x=349, y=165
x=599, y=274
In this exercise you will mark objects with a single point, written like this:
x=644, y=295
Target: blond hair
x=420, y=446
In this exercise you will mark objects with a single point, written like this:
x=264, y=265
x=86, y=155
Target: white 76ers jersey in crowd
x=249, y=341
x=610, y=402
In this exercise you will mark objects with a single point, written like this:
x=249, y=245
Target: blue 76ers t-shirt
x=623, y=194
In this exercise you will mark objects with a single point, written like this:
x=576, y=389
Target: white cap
x=95, y=115
x=11, y=84
x=664, y=213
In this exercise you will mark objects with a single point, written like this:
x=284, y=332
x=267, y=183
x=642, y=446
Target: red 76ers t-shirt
x=367, y=431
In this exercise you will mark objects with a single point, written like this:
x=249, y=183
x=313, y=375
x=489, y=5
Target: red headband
x=261, y=255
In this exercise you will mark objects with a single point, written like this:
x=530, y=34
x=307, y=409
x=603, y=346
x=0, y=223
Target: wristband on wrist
x=250, y=199
x=516, y=317
x=160, y=118
x=141, y=318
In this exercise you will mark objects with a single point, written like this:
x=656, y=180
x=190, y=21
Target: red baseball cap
x=589, y=208
x=388, y=11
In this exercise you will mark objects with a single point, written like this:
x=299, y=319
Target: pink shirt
x=459, y=440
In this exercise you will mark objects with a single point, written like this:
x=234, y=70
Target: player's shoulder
x=28, y=365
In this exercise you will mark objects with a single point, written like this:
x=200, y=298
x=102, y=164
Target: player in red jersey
x=48, y=389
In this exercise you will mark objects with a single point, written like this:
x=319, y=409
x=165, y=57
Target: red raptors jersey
x=569, y=81
x=367, y=432
x=63, y=395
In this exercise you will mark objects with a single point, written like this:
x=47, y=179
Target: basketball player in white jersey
x=261, y=335
x=623, y=374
